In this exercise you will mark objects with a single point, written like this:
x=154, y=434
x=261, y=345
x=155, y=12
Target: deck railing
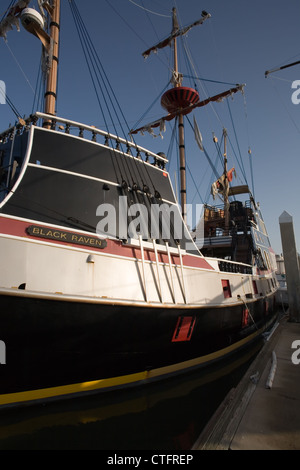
x=67, y=126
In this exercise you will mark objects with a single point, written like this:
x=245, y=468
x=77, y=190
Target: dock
x=263, y=411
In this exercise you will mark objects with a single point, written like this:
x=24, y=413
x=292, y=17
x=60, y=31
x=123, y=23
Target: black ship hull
x=83, y=311
x=61, y=348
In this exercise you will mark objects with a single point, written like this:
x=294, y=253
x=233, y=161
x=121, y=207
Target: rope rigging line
x=196, y=187
x=195, y=77
x=285, y=107
x=218, y=148
x=20, y=67
x=91, y=60
x=249, y=146
x=212, y=165
x=150, y=107
x=10, y=104
x=127, y=24
x=134, y=31
x=40, y=89
x=172, y=141
x=206, y=154
x=209, y=80
x=130, y=168
x=7, y=9
x=149, y=11
x=240, y=163
x=97, y=66
x=251, y=171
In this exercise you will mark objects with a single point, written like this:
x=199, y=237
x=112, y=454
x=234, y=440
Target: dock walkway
x=263, y=411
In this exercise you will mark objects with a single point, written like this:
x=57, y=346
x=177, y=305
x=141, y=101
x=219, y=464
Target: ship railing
x=233, y=267
x=61, y=124
x=219, y=240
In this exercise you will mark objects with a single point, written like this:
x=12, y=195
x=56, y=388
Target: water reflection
x=167, y=415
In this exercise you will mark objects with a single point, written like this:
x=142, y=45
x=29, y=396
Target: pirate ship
x=92, y=303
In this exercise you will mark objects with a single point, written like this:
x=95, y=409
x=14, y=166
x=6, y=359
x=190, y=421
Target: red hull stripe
x=18, y=228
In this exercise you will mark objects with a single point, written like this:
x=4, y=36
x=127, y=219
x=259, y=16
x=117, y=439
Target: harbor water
x=166, y=415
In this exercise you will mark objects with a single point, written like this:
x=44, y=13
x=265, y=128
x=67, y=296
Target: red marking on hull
x=15, y=227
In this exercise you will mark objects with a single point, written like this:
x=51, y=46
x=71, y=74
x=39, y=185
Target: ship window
x=255, y=287
x=184, y=329
x=226, y=288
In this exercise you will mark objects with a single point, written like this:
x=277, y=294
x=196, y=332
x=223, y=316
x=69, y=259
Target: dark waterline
x=167, y=415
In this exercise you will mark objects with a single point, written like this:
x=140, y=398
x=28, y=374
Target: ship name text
x=76, y=238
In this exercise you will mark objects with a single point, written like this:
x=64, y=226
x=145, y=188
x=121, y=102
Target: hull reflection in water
x=168, y=415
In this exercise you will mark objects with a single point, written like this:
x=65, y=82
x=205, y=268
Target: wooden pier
x=263, y=411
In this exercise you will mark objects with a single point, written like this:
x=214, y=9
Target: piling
x=291, y=265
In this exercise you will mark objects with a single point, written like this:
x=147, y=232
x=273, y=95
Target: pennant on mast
x=198, y=135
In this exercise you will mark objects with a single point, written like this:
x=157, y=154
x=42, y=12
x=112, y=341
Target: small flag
x=198, y=135
x=230, y=174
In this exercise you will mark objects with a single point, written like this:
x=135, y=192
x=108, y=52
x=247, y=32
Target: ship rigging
x=85, y=309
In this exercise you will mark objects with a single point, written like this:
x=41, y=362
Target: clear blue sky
x=237, y=44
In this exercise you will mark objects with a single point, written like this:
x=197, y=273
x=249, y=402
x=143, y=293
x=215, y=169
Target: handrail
x=95, y=131
x=33, y=118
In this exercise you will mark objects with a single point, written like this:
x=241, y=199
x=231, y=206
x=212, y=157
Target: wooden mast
x=177, y=79
x=180, y=127
x=51, y=86
x=226, y=185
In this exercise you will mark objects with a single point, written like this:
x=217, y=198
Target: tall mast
x=226, y=185
x=51, y=87
x=179, y=101
x=180, y=124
